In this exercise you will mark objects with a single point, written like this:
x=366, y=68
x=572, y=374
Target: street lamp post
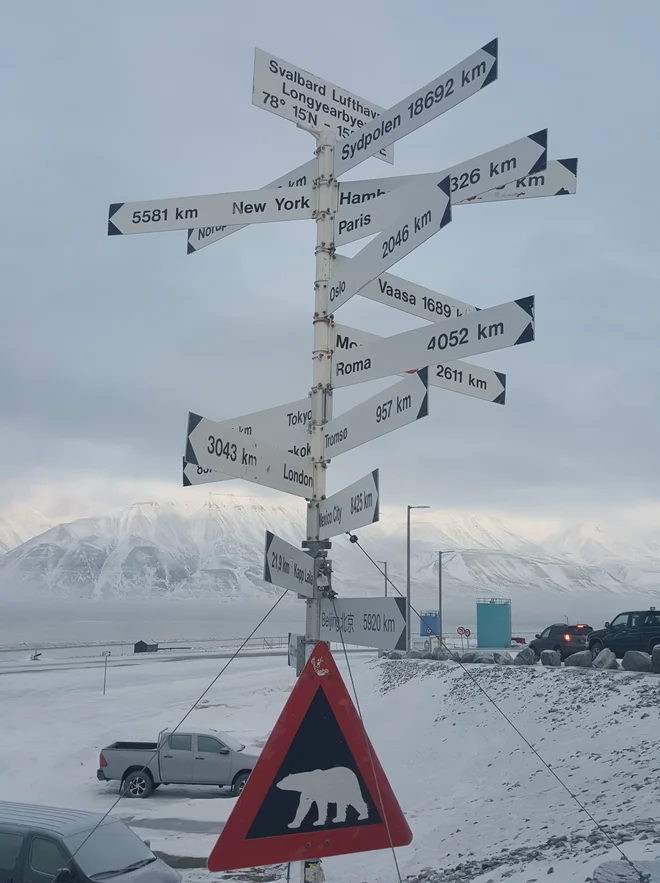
x=408, y=611
x=440, y=554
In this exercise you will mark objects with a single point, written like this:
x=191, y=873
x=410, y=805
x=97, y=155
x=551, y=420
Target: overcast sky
x=108, y=342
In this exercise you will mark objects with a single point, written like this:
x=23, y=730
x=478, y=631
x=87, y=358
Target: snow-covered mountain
x=17, y=529
x=214, y=548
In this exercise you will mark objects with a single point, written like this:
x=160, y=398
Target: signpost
x=216, y=447
x=461, y=377
x=498, y=327
x=558, y=179
x=308, y=101
x=288, y=567
x=367, y=622
x=397, y=406
x=366, y=207
x=257, y=206
x=460, y=82
x=319, y=756
x=355, y=506
x=200, y=237
x=423, y=214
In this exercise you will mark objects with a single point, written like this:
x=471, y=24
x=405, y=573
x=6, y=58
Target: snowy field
x=481, y=805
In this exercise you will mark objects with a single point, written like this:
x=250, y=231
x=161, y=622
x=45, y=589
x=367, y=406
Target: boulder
x=502, y=657
x=636, y=660
x=414, y=654
x=655, y=659
x=485, y=657
x=395, y=654
x=581, y=659
x=441, y=654
x=525, y=657
x=550, y=657
x=606, y=659
x=468, y=656
x=427, y=655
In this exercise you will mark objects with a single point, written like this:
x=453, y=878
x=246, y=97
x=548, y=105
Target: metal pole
x=408, y=616
x=105, y=674
x=440, y=598
x=380, y=652
x=321, y=393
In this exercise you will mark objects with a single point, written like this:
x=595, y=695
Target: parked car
x=634, y=630
x=191, y=757
x=565, y=639
x=45, y=844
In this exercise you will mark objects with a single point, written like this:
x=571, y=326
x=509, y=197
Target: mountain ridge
x=213, y=547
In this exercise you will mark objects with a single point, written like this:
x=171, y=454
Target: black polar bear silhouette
x=338, y=785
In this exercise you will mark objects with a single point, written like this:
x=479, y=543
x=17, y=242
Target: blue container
x=494, y=622
x=428, y=623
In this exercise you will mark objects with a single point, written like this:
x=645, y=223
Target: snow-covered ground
x=474, y=794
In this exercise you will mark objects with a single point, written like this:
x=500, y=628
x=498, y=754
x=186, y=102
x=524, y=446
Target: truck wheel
x=137, y=784
x=239, y=783
x=596, y=648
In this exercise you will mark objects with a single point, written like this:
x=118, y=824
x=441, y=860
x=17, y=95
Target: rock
x=395, y=654
x=581, y=659
x=468, y=656
x=525, y=657
x=427, y=655
x=606, y=659
x=636, y=660
x=414, y=654
x=550, y=657
x=503, y=658
x=441, y=654
x=485, y=657
x=655, y=659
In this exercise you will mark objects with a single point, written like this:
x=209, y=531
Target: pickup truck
x=191, y=757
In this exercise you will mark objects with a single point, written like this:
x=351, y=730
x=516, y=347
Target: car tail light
x=102, y=761
x=567, y=637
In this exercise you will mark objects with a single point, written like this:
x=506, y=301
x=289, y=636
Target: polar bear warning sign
x=318, y=788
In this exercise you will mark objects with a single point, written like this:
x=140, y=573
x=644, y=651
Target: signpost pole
x=321, y=393
x=439, y=599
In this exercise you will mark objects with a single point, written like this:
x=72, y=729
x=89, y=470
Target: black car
x=634, y=630
x=565, y=639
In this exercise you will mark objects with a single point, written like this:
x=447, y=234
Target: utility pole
x=321, y=395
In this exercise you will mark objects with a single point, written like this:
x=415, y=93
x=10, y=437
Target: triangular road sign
x=318, y=788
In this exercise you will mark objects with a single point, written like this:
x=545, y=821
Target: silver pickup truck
x=190, y=757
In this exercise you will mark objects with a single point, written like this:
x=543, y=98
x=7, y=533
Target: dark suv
x=565, y=639
x=636, y=630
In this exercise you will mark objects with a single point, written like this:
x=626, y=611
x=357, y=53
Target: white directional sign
x=461, y=377
x=424, y=105
x=309, y=101
x=394, y=407
x=393, y=291
x=200, y=237
x=355, y=506
x=368, y=622
x=423, y=213
x=193, y=475
x=495, y=328
x=231, y=452
x=558, y=179
x=363, y=208
x=288, y=567
x=284, y=426
x=255, y=206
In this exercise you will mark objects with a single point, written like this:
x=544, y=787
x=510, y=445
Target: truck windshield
x=111, y=848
